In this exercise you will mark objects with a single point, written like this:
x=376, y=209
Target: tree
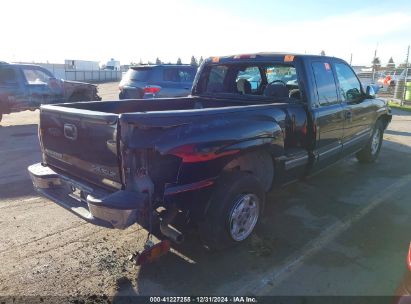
x=391, y=64
x=322, y=53
x=201, y=60
x=193, y=61
x=158, y=61
x=179, y=60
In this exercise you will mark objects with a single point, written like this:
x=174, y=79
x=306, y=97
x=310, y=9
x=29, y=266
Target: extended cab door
x=359, y=111
x=328, y=115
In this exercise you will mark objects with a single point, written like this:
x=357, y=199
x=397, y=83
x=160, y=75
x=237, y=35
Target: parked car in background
x=393, y=78
x=157, y=81
x=26, y=87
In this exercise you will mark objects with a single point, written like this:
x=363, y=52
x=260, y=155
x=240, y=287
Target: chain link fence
x=398, y=83
x=394, y=85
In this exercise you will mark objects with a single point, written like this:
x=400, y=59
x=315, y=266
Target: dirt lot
x=345, y=231
x=108, y=91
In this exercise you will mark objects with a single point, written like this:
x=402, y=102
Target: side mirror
x=371, y=91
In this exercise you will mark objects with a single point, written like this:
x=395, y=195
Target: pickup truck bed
x=93, y=132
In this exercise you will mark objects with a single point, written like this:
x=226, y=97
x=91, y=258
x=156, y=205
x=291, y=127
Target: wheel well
x=385, y=119
x=258, y=163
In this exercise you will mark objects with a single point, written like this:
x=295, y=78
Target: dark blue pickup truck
x=252, y=123
x=27, y=86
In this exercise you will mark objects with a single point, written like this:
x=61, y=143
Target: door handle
x=348, y=115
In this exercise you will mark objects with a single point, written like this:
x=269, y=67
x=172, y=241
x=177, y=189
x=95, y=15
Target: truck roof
x=276, y=56
x=19, y=64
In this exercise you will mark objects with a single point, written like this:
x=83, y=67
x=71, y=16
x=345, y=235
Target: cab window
x=350, y=87
x=35, y=76
x=7, y=76
x=325, y=82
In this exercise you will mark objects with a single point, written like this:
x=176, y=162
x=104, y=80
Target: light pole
x=405, y=77
x=374, y=64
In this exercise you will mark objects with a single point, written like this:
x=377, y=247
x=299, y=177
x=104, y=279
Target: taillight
x=151, y=90
x=192, y=154
x=409, y=258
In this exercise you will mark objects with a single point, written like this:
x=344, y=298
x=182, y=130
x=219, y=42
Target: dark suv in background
x=157, y=81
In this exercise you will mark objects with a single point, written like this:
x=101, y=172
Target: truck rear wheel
x=370, y=152
x=234, y=211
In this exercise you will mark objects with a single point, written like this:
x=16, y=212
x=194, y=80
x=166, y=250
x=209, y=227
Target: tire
x=238, y=197
x=371, y=151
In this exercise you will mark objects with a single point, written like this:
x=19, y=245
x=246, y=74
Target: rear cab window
x=325, y=83
x=215, y=79
x=250, y=79
x=252, y=75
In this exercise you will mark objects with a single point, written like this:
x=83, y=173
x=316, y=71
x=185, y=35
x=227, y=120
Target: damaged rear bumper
x=118, y=209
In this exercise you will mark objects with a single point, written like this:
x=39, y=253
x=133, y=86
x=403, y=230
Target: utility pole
x=351, y=59
x=373, y=64
x=406, y=75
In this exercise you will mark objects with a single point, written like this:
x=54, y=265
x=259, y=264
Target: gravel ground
x=108, y=91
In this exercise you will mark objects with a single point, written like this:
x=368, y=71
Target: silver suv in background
x=157, y=81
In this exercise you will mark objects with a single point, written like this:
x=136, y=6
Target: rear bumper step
x=118, y=209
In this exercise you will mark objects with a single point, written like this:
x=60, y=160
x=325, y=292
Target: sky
x=132, y=30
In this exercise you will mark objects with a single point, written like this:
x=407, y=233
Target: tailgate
x=81, y=143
